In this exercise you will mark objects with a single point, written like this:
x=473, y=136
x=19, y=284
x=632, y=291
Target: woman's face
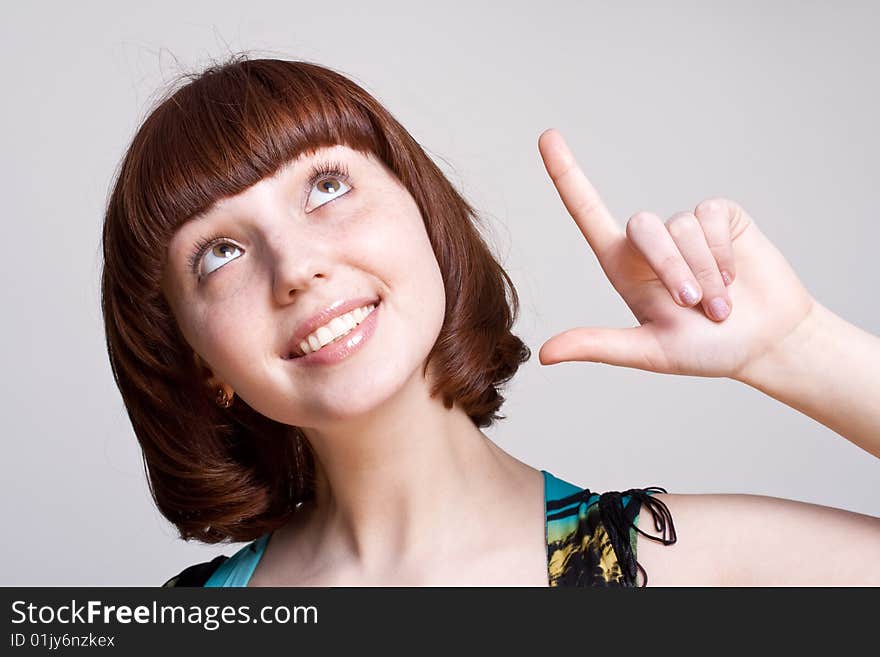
x=286, y=249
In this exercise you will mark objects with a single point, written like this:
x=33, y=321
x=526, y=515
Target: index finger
x=581, y=199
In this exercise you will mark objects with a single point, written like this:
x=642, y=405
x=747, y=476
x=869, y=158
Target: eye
x=213, y=256
x=329, y=186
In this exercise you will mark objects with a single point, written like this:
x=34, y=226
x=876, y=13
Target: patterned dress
x=591, y=537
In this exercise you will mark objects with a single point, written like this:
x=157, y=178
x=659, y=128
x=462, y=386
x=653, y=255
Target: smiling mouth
x=298, y=352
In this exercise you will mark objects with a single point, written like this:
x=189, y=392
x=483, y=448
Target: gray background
x=771, y=104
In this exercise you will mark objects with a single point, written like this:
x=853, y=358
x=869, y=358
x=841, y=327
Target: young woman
x=308, y=333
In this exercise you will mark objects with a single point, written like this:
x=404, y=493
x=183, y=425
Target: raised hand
x=652, y=264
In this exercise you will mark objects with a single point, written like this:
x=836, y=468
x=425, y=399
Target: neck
x=389, y=485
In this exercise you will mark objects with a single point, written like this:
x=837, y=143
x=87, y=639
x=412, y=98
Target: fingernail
x=719, y=308
x=688, y=294
x=726, y=277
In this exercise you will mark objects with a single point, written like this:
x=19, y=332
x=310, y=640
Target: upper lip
x=310, y=325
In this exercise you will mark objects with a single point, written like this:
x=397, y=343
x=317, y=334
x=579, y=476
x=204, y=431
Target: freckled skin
x=299, y=256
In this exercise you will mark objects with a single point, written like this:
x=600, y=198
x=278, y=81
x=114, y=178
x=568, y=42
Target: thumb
x=625, y=347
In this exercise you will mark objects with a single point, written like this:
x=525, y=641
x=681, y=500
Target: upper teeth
x=337, y=327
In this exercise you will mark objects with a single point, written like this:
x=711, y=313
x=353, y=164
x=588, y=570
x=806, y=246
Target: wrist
x=792, y=354
x=827, y=369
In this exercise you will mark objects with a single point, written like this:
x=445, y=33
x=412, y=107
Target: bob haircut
x=232, y=474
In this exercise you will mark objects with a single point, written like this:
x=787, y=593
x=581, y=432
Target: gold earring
x=223, y=399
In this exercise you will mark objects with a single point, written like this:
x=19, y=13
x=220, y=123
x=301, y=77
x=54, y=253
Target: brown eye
x=222, y=250
x=330, y=185
x=218, y=255
x=326, y=189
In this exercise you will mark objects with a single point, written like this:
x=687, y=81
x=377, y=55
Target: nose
x=294, y=267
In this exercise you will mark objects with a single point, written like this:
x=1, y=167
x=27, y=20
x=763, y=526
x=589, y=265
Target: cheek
x=417, y=282
x=391, y=242
x=224, y=336
x=395, y=240
x=394, y=235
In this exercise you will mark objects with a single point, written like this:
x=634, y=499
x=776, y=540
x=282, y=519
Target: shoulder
x=755, y=540
x=197, y=574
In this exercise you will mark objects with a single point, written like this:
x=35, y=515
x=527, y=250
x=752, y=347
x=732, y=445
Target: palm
x=767, y=299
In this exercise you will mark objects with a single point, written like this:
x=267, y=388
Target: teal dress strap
x=561, y=502
x=237, y=570
x=555, y=488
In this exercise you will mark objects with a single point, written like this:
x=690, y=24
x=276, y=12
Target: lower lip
x=338, y=351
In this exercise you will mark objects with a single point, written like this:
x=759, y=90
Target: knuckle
x=718, y=206
x=681, y=223
x=721, y=252
x=710, y=205
x=639, y=220
x=671, y=264
x=706, y=273
x=585, y=206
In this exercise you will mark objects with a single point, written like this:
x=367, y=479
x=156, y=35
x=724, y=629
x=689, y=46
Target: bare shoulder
x=757, y=540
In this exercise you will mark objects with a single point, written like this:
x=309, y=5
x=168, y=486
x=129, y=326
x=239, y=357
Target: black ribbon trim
x=618, y=520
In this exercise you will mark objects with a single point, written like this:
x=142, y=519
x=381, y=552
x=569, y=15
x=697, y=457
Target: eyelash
x=320, y=170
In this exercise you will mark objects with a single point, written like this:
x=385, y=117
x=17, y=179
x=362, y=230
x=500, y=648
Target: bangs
x=217, y=138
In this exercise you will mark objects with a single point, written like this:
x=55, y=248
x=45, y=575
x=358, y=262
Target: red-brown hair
x=233, y=474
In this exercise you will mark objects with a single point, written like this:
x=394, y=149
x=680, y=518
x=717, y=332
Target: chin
x=361, y=398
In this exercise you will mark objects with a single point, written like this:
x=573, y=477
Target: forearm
x=829, y=370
